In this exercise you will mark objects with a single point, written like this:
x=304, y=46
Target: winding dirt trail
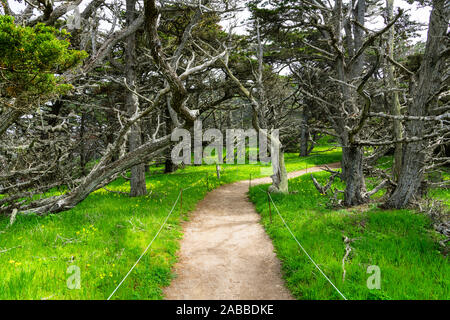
x=225, y=252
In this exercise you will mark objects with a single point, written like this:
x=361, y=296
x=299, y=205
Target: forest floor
x=225, y=252
x=105, y=234
x=400, y=244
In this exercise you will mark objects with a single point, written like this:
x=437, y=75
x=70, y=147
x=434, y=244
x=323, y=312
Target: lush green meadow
x=401, y=243
x=106, y=233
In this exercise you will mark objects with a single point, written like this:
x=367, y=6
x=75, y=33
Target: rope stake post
x=270, y=209
x=250, y=181
x=218, y=171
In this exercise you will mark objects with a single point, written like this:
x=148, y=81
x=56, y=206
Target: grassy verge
x=105, y=234
x=400, y=242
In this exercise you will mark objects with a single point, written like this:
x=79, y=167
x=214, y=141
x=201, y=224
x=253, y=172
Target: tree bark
x=83, y=159
x=359, y=15
x=304, y=135
x=8, y=117
x=279, y=177
x=352, y=155
x=393, y=100
x=352, y=165
x=137, y=182
x=428, y=84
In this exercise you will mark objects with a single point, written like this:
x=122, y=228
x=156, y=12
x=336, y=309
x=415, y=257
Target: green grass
x=105, y=234
x=400, y=242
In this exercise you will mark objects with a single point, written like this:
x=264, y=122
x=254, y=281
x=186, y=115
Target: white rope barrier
x=146, y=249
x=301, y=247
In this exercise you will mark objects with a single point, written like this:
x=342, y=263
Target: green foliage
x=32, y=58
x=207, y=29
x=106, y=233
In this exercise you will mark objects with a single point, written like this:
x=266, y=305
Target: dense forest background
x=82, y=104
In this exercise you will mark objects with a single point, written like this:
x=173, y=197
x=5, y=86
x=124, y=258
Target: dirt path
x=225, y=252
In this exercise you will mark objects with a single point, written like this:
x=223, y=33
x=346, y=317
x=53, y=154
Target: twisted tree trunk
x=304, y=135
x=393, y=100
x=279, y=177
x=352, y=166
x=137, y=182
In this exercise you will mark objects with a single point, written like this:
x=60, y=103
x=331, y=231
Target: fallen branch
x=13, y=217
x=348, y=249
x=327, y=169
x=377, y=188
x=124, y=176
x=320, y=188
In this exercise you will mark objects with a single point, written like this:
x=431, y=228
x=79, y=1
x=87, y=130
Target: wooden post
x=207, y=182
x=181, y=201
x=270, y=210
x=250, y=181
x=218, y=171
